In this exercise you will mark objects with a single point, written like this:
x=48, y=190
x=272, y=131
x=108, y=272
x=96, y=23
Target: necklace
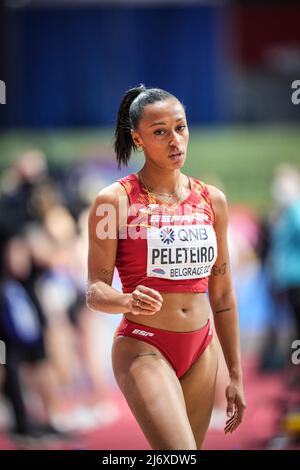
x=151, y=191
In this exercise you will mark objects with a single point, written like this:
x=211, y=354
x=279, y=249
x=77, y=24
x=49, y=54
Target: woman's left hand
x=235, y=405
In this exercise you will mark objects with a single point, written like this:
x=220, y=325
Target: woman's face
x=163, y=133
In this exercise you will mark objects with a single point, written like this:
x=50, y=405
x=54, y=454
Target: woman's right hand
x=145, y=301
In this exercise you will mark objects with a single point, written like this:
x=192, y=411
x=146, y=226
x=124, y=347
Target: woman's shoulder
x=218, y=201
x=216, y=195
x=109, y=195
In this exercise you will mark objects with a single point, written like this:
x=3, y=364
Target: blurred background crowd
x=66, y=65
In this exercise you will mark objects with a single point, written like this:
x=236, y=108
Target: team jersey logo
x=158, y=271
x=149, y=208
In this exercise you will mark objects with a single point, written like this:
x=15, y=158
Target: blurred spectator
x=55, y=376
x=17, y=186
x=22, y=326
x=284, y=255
x=279, y=251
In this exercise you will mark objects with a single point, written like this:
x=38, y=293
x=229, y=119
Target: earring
x=139, y=148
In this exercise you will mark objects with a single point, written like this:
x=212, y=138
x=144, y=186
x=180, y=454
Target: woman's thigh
x=153, y=393
x=198, y=386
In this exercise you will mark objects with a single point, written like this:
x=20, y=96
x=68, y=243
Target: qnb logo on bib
x=181, y=252
x=167, y=235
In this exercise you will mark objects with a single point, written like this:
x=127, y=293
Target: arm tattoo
x=223, y=310
x=91, y=295
x=216, y=270
x=107, y=275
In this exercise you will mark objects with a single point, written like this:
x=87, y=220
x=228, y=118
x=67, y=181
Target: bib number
x=181, y=252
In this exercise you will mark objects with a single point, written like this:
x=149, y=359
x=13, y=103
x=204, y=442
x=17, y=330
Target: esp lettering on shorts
x=142, y=333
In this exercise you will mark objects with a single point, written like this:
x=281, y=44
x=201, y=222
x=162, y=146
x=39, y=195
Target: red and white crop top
x=170, y=248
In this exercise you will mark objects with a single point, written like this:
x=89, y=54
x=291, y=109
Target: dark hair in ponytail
x=130, y=112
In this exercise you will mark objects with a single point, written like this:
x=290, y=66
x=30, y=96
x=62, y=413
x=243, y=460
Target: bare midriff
x=186, y=311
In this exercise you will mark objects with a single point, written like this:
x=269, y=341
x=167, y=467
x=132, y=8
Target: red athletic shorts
x=181, y=349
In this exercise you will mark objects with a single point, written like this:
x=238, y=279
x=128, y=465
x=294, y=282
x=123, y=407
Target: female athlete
x=166, y=233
